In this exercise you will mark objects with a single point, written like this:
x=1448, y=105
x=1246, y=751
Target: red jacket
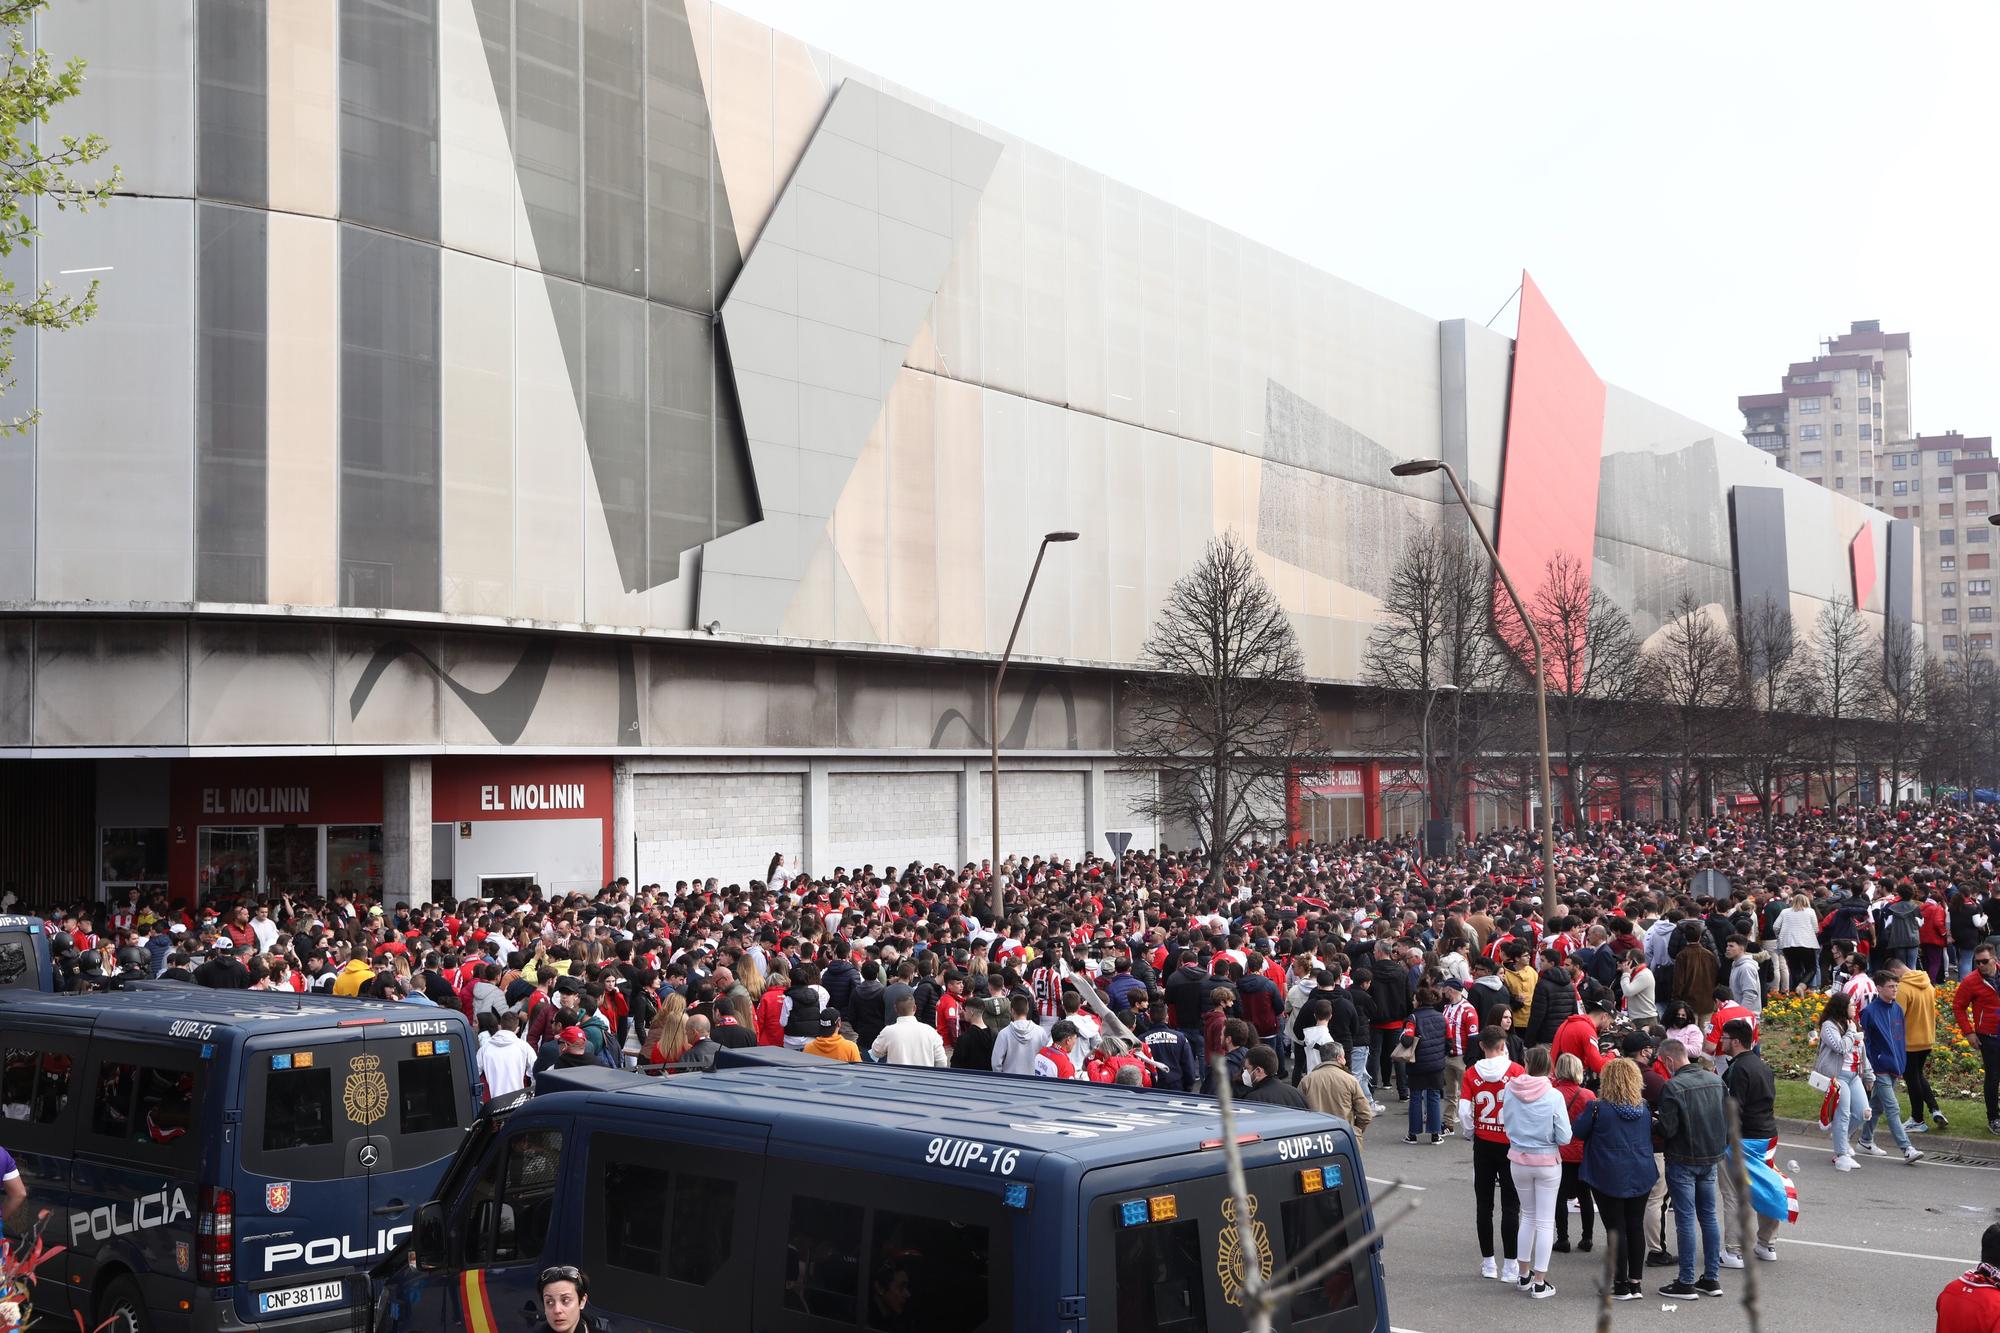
x=1577, y=1036
x=771, y=1017
x=1969, y=1303
x=1934, y=930
x=1977, y=1008
x=1575, y=1097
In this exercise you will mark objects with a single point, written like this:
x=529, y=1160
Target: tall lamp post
x=1418, y=467
x=993, y=724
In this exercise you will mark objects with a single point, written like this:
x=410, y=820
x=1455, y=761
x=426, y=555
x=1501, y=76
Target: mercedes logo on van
x=367, y=1154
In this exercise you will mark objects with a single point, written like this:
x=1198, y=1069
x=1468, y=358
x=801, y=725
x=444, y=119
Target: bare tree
x=1964, y=695
x=1695, y=681
x=1223, y=712
x=1766, y=741
x=1903, y=700
x=1590, y=654
x=1837, y=685
x=1445, y=683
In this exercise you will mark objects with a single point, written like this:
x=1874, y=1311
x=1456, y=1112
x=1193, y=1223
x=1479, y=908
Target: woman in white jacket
x=1798, y=940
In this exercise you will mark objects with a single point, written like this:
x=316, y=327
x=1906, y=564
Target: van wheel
x=120, y=1309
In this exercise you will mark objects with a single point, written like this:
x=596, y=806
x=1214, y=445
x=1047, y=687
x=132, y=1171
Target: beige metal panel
x=912, y=510
x=477, y=350
x=110, y=682
x=302, y=50
x=549, y=473
x=961, y=516
x=1086, y=562
x=480, y=207
x=1083, y=289
x=303, y=351
x=260, y=684
x=859, y=536
x=740, y=98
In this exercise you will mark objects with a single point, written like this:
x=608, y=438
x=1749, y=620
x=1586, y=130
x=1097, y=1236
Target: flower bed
x=1790, y=1039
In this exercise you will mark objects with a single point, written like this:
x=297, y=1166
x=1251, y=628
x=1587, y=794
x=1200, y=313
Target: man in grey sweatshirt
x=1015, y=1049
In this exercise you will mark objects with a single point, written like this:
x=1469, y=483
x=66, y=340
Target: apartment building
x=1944, y=484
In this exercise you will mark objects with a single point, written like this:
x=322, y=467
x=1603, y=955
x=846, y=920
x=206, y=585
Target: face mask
x=1249, y=1079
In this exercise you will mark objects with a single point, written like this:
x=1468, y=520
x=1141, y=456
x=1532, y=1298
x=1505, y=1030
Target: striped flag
x=1772, y=1193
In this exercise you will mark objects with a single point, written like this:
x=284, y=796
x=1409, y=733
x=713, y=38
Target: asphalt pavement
x=1872, y=1245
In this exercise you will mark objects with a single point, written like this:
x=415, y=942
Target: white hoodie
x=504, y=1062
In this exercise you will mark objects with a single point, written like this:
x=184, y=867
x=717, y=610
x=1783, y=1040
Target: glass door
x=291, y=859
x=227, y=861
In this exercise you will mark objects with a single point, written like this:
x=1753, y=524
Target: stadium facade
x=523, y=438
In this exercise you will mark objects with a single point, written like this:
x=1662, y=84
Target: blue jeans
x=1426, y=1111
x=1693, y=1191
x=1909, y=956
x=1847, y=1110
x=1884, y=1103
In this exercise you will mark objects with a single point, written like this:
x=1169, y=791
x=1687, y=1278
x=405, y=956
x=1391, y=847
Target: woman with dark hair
x=1841, y=1058
x=1424, y=1038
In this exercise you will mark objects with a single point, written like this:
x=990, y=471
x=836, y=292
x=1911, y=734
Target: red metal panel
x=1555, y=440
x=1861, y=558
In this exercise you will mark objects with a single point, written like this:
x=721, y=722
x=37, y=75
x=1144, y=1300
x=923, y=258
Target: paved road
x=1874, y=1245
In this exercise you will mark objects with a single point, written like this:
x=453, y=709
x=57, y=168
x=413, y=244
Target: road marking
x=1377, y=1180
x=1869, y=1249
x=1955, y=1166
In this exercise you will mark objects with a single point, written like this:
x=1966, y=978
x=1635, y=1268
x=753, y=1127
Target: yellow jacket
x=1521, y=984
x=1919, y=1000
x=350, y=979
x=835, y=1047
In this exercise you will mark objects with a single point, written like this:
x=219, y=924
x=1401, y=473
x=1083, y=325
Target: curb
x=1807, y=1133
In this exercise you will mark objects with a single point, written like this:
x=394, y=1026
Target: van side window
x=673, y=1224
x=17, y=1083
x=509, y=1209
x=1306, y=1220
x=1160, y=1272
x=111, y=1117
x=52, y=1089
x=823, y=1258
x=927, y=1272
x=143, y=1106
x=298, y=1108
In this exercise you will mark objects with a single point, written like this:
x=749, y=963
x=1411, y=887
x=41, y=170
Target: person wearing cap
x=573, y=1049
x=829, y=1042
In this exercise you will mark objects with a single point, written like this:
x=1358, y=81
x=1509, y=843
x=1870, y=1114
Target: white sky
x=1704, y=191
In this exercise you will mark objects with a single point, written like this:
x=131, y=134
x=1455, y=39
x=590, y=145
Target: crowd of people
x=1588, y=1044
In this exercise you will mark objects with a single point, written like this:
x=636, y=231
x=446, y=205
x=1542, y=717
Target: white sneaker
x=1488, y=1268
x=1511, y=1271
x=1915, y=1127
x=1874, y=1150
x=1913, y=1155
x=1845, y=1164
x=1731, y=1259
x=1768, y=1253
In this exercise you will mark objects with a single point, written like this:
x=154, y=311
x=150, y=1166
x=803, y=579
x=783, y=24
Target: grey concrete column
x=818, y=821
x=624, y=860
x=406, y=830
x=1094, y=809
x=968, y=817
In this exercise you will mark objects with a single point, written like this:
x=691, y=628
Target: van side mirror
x=428, y=1236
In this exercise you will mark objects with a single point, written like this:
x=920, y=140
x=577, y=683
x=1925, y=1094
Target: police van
x=791, y=1195
x=25, y=962
x=226, y=1159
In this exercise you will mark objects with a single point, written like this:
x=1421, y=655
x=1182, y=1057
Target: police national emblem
x=365, y=1094
x=277, y=1196
x=1231, y=1264
x=181, y=1255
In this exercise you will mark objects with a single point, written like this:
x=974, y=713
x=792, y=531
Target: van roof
x=152, y=1007
x=997, y=1109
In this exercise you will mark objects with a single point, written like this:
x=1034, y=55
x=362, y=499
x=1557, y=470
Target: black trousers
x=1381, y=1068
x=1572, y=1187
x=1624, y=1227
x=1922, y=1095
x=1489, y=1164
x=1803, y=964
x=1989, y=1053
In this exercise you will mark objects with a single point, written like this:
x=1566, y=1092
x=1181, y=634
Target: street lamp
x=1418, y=467
x=993, y=725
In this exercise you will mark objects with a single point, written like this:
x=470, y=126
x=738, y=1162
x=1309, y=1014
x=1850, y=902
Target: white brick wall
x=1121, y=792
x=1041, y=814
x=693, y=825
x=891, y=819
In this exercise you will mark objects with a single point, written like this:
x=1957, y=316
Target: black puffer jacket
x=1391, y=991
x=1432, y=1049
x=1554, y=1000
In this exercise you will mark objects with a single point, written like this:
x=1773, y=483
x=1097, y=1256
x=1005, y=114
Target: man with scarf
x=1970, y=1302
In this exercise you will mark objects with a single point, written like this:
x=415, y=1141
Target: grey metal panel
x=140, y=88
x=614, y=152
x=115, y=451
x=614, y=422
x=1901, y=580
x=260, y=683
x=232, y=100
x=1757, y=528
x=231, y=469
x=116, y=682
x=17, y=647
x=389, y=115
x=777, y=349
x=386, y=688
x=680, y=443
x=548, y=129
x=389, y=448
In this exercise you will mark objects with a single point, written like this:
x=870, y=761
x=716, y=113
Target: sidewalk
x=1807, y=1134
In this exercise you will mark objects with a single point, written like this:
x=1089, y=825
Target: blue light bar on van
x=1017, y=1195
x=1133, y=1213
x=444, y=1046
x=281, y=1061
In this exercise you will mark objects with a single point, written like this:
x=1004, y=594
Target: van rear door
x=303, y=1233
x=1162, y=1253
x=24, y=954
x=417, y=1099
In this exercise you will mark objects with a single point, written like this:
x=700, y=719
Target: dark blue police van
x=791, y=1195
x=24, y=954
x=220, y=1160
